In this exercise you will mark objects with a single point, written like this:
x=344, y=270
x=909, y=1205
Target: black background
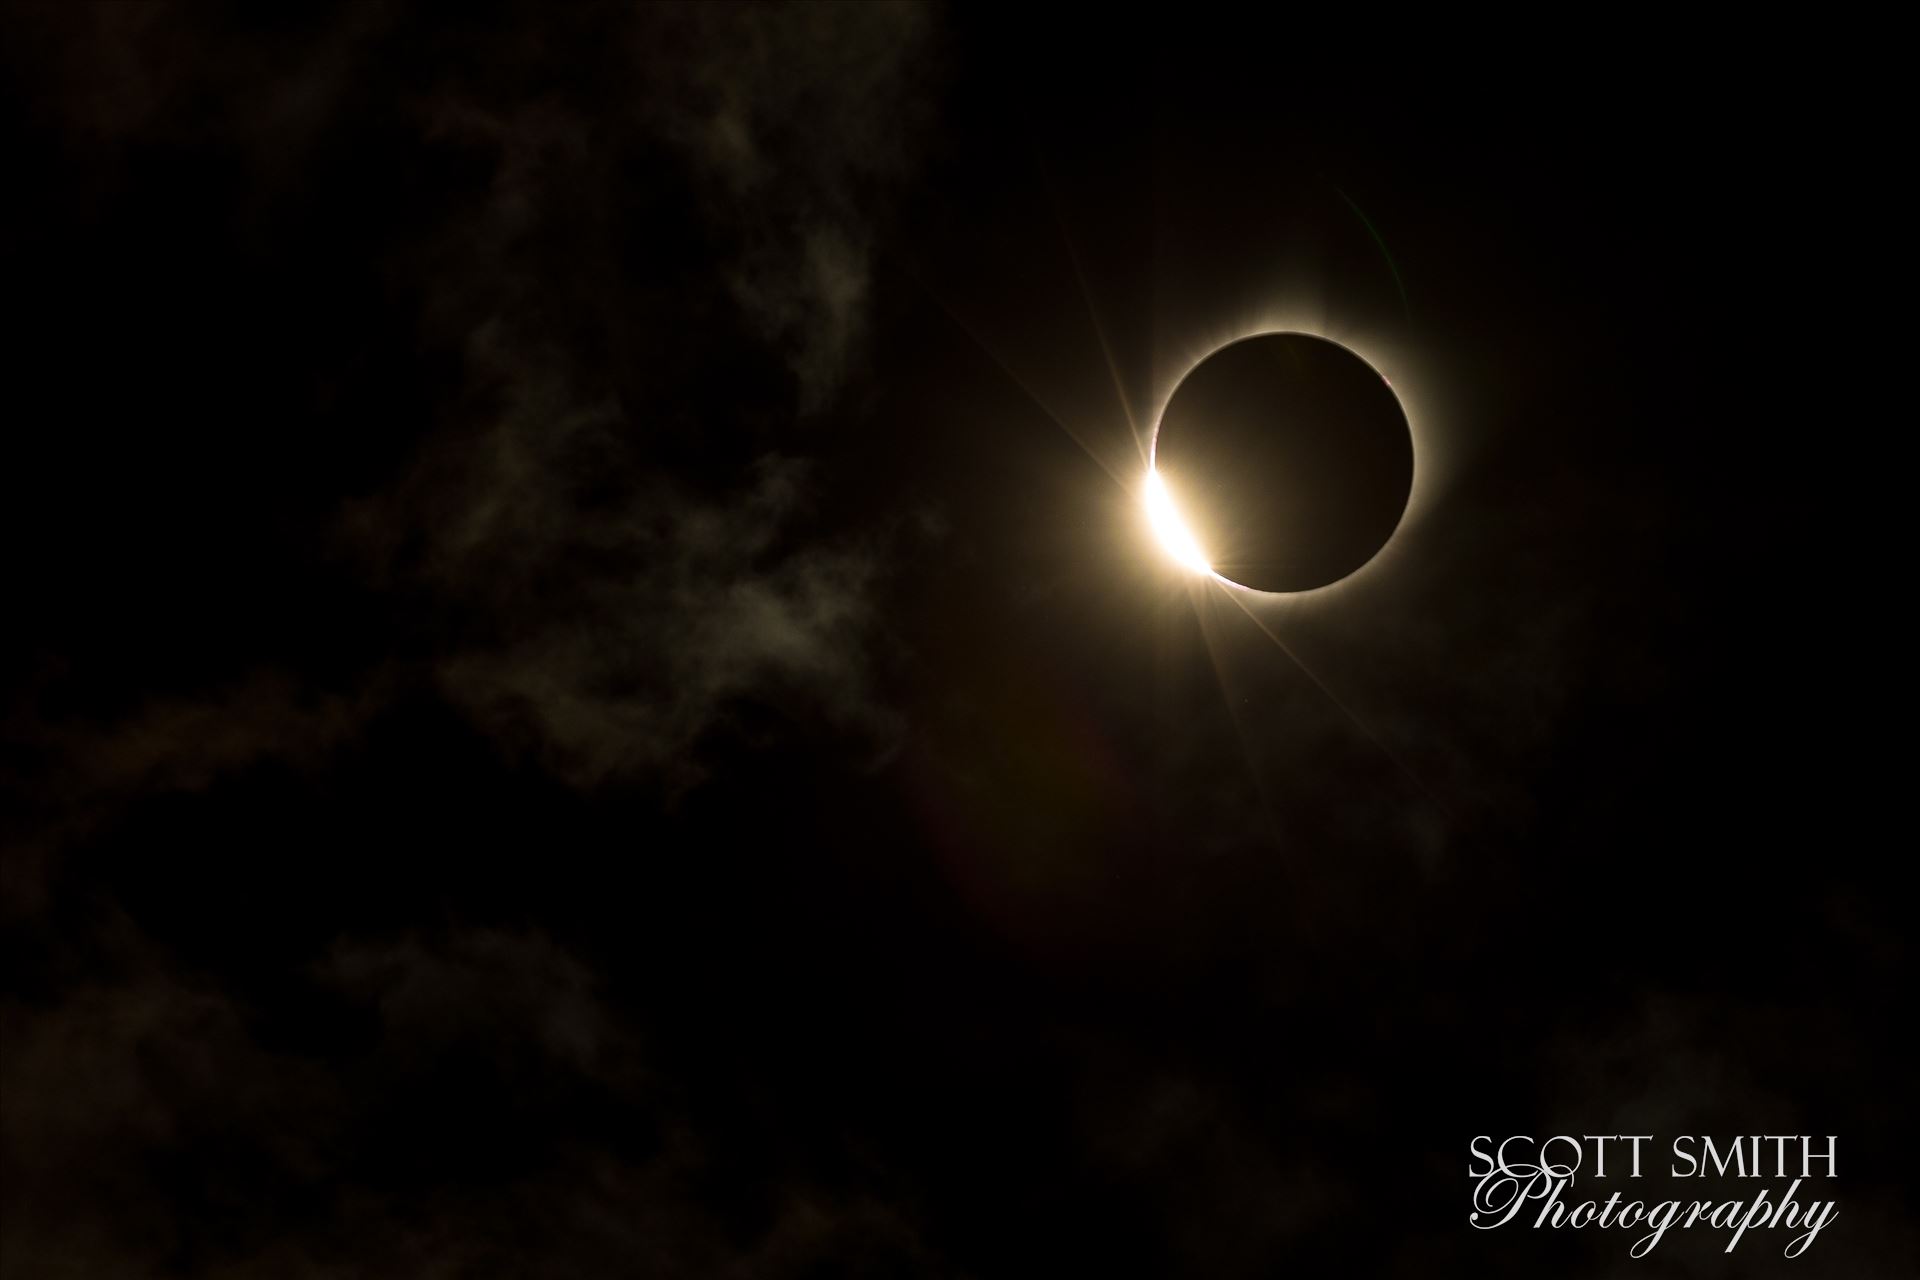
x=587, y=701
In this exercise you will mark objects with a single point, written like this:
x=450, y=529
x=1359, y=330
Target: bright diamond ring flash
x=1171, y=530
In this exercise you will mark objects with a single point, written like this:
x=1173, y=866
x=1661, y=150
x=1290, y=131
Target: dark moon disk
x=1288, y=458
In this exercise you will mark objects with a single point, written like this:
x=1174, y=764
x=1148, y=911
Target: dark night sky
x=584, y=702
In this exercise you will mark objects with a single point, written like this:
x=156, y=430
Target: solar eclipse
x=1282, y=463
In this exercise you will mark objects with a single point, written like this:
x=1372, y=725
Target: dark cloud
x=1231, y=1197
x=521, y=536
x=611, y=611
x=796, y=119
x=657, y=608
x=1672, y=1062
x=74, y=776
x=152, y=1131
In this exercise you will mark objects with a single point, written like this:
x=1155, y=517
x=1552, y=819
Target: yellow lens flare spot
x=1171, y=530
